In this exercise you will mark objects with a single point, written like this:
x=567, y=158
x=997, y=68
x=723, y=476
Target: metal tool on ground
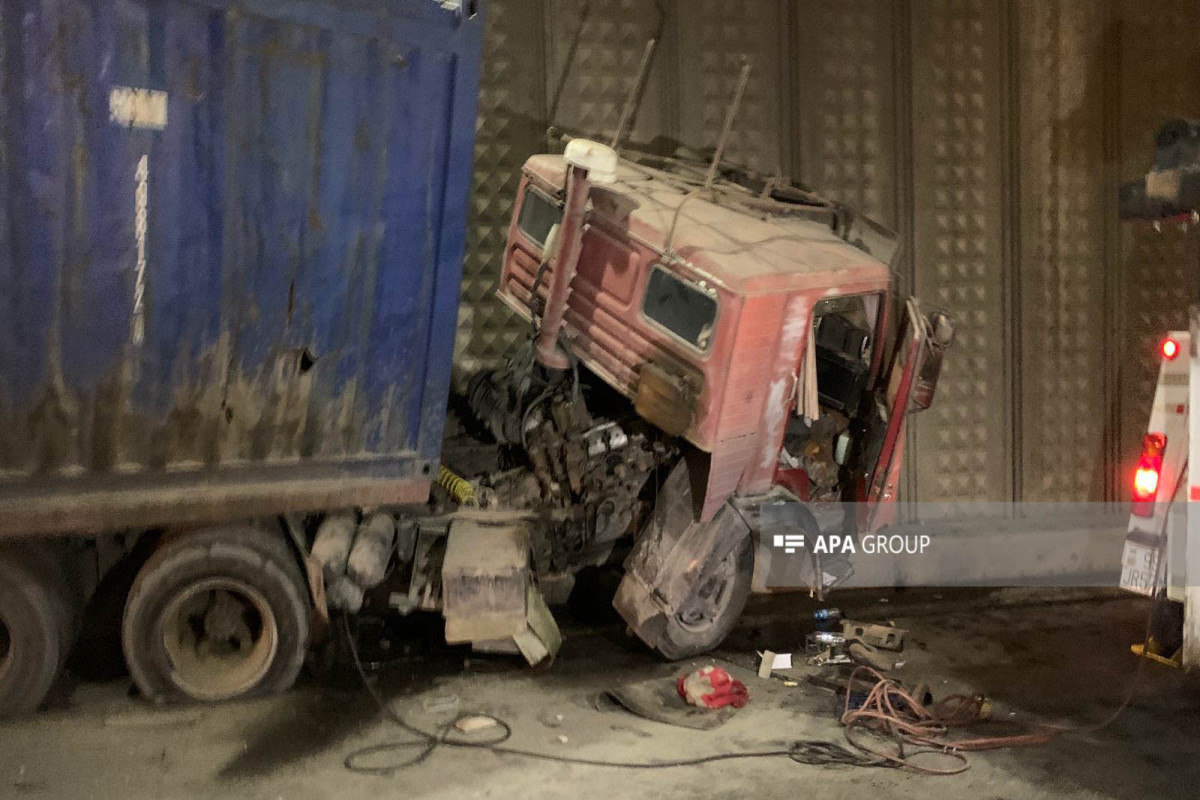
x=884, y=637
x=828, y=657
x=862, y=653
x=860, y=642
x=818, y=641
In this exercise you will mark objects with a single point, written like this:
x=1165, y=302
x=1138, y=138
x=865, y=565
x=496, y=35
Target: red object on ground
x=712, y=687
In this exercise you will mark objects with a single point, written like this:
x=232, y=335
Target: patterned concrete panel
x=963, y=442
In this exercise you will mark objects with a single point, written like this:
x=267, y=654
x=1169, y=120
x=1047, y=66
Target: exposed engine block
x=587, y=471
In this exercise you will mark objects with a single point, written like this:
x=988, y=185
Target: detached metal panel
x=230, y=250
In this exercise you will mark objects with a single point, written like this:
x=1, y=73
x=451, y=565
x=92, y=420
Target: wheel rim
x=713, y=598
x=5, y=647
x=220, y=636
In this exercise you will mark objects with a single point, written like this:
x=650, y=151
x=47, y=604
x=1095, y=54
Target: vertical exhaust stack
x=587, y=163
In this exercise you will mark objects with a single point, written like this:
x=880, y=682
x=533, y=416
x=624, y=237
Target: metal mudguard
x=672, y=553
x=488, y=595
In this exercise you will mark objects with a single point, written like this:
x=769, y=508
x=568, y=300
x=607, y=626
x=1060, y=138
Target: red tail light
x=1170, y=349
x=1149, y=469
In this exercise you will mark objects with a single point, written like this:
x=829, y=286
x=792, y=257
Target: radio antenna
x=729, y=116
x=568, y=65
x=632, y=100
x=716, y=162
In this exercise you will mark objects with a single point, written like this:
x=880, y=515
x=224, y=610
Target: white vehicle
x=1162, y=494
x=1162, y=547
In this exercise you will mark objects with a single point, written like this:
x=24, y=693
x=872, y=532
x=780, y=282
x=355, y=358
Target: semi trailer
x=232, y=238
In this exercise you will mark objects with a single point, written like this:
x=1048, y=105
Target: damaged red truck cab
x=751, y=319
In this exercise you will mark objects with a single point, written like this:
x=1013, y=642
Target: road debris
x=440, y=704
x=551, y=719
x=155, y=718
x=885, y=637
x=772, y=661
x=475, y=723
x=858, y=642
x=862, y=653
x=828, y=656
x=658, y=699
x=827, y=616
x=712, y=687
x=822, y=640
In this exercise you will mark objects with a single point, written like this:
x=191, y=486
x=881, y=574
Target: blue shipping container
x=231, y=239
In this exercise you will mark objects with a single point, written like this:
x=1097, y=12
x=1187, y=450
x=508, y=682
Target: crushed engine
x=579, y=454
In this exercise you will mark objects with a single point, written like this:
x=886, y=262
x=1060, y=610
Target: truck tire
x=704, y=625
x=35, y=631
x=215, y=615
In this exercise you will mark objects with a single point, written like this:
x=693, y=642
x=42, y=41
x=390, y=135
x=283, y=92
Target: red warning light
x=1145, y=483
x=1170, y=349
x=1145, y=479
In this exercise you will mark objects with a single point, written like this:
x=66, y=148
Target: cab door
x=884, y=445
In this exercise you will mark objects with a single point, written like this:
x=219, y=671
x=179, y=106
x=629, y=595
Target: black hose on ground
x=814, y=752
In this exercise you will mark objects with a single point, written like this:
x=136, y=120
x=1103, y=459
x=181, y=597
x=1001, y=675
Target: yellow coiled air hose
x=460, y=491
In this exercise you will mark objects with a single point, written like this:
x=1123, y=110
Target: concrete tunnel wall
x=991, y=134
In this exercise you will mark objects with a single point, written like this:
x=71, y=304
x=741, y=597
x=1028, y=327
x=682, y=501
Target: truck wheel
x=215, y=615
x=34, y=632
x=705, y=622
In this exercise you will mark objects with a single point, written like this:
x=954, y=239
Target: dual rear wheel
x=36, y=625
x=215, y=615
x=212, y=615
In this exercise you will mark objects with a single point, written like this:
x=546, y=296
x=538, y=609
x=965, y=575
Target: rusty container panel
x=230, y=252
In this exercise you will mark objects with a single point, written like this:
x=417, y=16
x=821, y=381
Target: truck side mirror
x=551, y=241
x=941, y=328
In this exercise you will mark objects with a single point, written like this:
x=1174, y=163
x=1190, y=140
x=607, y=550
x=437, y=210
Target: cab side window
x=682, y=308
x=539, y=214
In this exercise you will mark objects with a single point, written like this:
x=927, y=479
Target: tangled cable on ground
x=814, y=752
x=903, y=722
x=894, y=727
